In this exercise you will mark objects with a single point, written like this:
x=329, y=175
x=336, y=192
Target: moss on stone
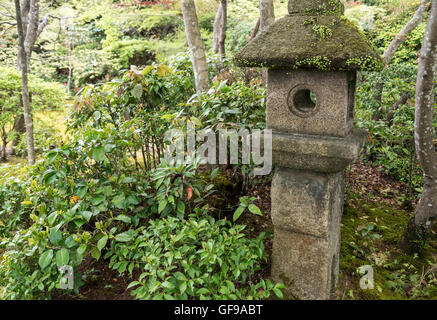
x=319, y=7
x=326, y=42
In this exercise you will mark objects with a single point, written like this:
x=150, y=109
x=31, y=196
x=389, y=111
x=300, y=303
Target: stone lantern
x=312, y=56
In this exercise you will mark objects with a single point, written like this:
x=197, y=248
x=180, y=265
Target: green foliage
x=233, y=106
x=246, y=203
x=104, y=186
x=391, y=145
x=43, y=95
x=130, y=52
x=194, y=258
x=45, y=138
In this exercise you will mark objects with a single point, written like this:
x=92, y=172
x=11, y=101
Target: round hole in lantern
x=302, y=101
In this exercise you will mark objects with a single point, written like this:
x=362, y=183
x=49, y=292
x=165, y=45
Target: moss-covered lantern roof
x=314, y=35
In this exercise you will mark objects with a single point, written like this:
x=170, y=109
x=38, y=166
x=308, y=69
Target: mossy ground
x=396, y=274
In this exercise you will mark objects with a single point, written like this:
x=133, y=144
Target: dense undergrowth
x=101, y=191
x=107, y=192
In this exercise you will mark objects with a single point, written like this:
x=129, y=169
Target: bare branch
x=405, y=32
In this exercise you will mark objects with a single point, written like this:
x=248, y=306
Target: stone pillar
x=307, y=205
x=312, y=55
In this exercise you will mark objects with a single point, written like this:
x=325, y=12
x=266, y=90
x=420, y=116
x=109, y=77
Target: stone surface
x=306, y=212
x=317, y=153
x=325, y=42
x=333, y=112
x=304, y=201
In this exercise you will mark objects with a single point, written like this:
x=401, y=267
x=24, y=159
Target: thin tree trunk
x=70, y=66
x=195, y=43
x=416, y=233
x=223, y=26
x=255, y=30
x=405, y=32
x=216, y=31
x=399, y=39
x=401, y=101
x=32, y=29
x=267, y=13
x=25, y=89
x=266, y=18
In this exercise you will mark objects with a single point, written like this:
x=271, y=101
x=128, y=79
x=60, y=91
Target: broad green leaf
x=50, y=177
x=52, y=156
x=123, y=237
x=278, y=293
x=254, y=209
x=95, y=253
x=181, y=207
x=102, y=243
x=52, y=218
x=214, y=173
x=133, y=200
x=98, y=200
x=81, y=250
x=82, y=191
x=87, y=215
x=45, y=259
x=62, y=257
x=238, y=212
x=137, y=91
x=162, y=205
x=123, y=218
x=99, y=154
x=119, y=201
x=55, y=236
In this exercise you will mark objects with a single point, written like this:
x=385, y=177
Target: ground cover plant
x=107, y=80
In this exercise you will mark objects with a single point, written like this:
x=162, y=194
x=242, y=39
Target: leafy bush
x=106, y=186
x=130, y=52
x=194, y=258
x=45, y=139
x=231, y=106
x=13, y=185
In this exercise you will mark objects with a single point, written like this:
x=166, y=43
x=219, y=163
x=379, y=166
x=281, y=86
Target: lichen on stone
x=325, y=42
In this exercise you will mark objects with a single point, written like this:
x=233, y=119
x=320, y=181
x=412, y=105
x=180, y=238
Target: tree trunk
x=426, y=212
x=25, y=88
x=267, y=13
x=32, y=29
x=219, y=33
x=405, y=32
x=223, y=26
x=266, y=18
x=255, y=30
x=216, y=31
x=401, y=101
x=195, y=43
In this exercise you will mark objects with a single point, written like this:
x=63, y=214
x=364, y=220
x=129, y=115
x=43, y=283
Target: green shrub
x=45, y=139
x=197, y=258
x=130, y=52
